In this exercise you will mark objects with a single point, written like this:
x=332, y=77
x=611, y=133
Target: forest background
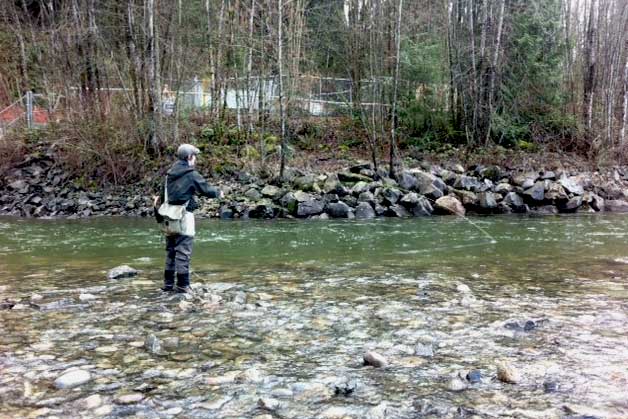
x=418, y=78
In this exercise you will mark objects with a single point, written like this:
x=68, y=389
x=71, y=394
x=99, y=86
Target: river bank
x=39, y=187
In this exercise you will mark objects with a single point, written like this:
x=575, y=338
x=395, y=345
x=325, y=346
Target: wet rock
x=91, y=402
x=338, y=210
x=572, y=205
x=474, y=376
x=449, y=205
x=103, y=410
x=536, y=192
x=507, y=373
x=87, y=297
x=381, y=411
x=152, y=344
x=397, y=211
x=267, y=403
x=364, y=211
x=130, y=398
x=424, y=349
x=170, y=343
x=546, y=210
x=374, y=359
x=463, y=288
x=345, y=387
x=456, y=384
x=72, y=379
x=123, y=271
x=550, y=386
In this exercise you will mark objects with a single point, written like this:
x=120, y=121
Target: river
x=284, y=311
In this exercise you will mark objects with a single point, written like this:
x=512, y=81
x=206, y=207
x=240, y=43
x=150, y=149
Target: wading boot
x=183, y=282
x=168, y=281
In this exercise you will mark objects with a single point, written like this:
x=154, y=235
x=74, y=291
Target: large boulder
x=556, y=194
x=616, y=205
x=397, y=211
x=262, y=211
x=339, y=210
x=422, y=208
x=271, y=191
x=469, y=183
x=594, y=201
x=535, y=193
x=289, y=202
x=573, y=184
x=468, y=198
x=571, y=205
x=515, y=202
x=359, y=187
x=364, y=211
x=367, y=197
x=307, y=183
x=391, y=195
x=449, y=205
x=407, y=181
x=525, y=180
x=487, y=202
x=332, y=183
x=310, y=207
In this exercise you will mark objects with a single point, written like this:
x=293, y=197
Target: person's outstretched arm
x=203, y=188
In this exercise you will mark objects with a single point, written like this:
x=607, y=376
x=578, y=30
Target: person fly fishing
x=174, y=212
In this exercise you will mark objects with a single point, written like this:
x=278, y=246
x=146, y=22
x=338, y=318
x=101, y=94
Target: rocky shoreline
x=38, y=187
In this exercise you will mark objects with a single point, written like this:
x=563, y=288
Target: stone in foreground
x=123, y=271
x=374, y=359
x=72, y=379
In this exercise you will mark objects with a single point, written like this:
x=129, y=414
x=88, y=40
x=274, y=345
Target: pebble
x=87, y=297
x=103, y=410
x=92, y=401
x=456, y=384
x=463, y=288
x=507, y=373
x=72, y=379
x=267, y=403
x=374, y=359
x=129, y=398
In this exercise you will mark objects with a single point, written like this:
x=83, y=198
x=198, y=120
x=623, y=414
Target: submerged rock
x=374, y=359
x=72, y=379
x=507, y=373
x=123, y=271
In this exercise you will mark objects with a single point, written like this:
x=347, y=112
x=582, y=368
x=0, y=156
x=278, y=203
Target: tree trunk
x=282, y=115
x=393, y=125
x=154, y=78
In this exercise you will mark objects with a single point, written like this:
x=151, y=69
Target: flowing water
x=283, y=313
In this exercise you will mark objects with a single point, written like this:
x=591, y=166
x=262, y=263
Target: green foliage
x=532, y=100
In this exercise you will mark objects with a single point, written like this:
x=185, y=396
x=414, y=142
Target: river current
x=283, y=312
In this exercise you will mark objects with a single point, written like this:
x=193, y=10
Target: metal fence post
x=29, y=109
